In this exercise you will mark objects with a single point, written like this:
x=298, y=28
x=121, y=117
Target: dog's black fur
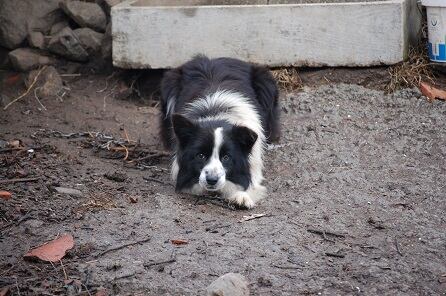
x=202, y=76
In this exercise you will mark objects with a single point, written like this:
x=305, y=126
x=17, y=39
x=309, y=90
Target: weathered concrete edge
x=405, y=7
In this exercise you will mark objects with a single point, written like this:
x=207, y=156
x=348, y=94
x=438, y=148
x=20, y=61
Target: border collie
x=217, y=116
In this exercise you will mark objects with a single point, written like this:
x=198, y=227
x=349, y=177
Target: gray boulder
x=230, y=284
x=90, y=40
x=19, y=17
x=49, y=81
x=86, y=14
x=36, y=40
x=57, y=27
x=25, y=59
x=66, y=44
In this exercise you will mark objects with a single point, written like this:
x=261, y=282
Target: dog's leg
x=243, y=198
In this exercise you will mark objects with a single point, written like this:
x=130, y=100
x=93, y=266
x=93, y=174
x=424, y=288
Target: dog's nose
x=211, y=180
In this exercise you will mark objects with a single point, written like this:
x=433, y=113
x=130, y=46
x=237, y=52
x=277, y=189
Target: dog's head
x=210, y=153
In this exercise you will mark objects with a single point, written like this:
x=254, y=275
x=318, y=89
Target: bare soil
x=356, y=201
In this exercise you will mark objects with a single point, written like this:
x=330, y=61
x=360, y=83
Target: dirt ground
x=356, y=201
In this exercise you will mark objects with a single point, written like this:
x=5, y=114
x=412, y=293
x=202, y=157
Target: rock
x=106, y=46
x=33, y=226
x=66, y=44
x=4, y=59
x=57, y=27
x=86, y=14
x=69, y=191
x=230, y=284
x=90, y=40
x=36, y=40
x=19, y=17
x=107, y=5
x=49, y=81
x=116, y=176
x=25, y=59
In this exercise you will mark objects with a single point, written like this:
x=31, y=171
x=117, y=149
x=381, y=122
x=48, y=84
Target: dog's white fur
x=242, y=113
x=214, y=166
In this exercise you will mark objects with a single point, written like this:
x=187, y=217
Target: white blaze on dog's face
x=210, y=154
x=213, y=174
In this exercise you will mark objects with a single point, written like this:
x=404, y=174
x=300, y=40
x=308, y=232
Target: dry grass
x=98, y=201
x=288, y=79
x=410, y=73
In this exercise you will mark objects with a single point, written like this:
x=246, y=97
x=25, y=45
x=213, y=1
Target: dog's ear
x=184, y=128
x=245, y=137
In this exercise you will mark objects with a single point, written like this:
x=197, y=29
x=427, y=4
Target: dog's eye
x=201, y=156
x=225, y=157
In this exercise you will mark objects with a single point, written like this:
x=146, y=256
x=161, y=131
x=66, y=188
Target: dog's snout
x=211, y=180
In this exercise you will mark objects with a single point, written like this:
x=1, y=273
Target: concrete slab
x=166, y=33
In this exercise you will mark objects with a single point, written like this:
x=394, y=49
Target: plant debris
x=179, y=242
x=135, y=153
x=251, y=217
x=432, y=92
x=6, y=195
x=4, y=291
x=412, y=72
x=54, y=250
x=288, y=79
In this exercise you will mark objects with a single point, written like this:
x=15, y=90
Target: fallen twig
x=63, y=269
x=251, y=217
x=19, y=180
x=37, y=98
x=336, y=255
x=123, y=246
x=70, y=75
x=150, y=264
x=124, y=276
x=155, y=180
x=6, y=150
x=286, y=267
x=27, y=91
x=325, y=232
x=398, y=248
x=154, y=155
x=213, y=228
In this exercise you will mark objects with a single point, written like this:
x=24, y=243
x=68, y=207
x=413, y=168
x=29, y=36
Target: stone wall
x=34, y=33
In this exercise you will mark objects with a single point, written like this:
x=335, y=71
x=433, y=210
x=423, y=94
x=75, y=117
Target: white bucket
x=436, y=23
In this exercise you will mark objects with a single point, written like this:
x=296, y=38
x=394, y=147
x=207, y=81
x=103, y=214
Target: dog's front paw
x=241, y=199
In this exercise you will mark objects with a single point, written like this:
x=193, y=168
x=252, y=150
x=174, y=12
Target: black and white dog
x=217, y=116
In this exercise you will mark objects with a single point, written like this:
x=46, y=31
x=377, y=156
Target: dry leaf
x=5, y=195
x=4, y=291
x=54, y=250
x=431, y=92
x=101, y=292
x=179, y=242
x=13, y=79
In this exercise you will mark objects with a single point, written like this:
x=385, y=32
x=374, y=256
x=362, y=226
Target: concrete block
x=166, y=33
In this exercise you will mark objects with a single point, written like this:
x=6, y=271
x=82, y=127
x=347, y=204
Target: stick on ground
x=7, y=181
x=155, y=180
x=334, y=255
x=150, y=264
x=123, y=246
x=27, y=91
x=325, y=232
